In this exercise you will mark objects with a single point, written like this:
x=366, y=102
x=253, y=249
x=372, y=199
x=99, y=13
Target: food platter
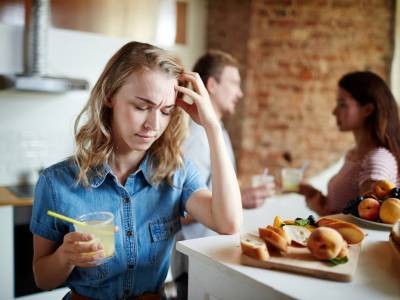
x=299, y=260
x=371, y=223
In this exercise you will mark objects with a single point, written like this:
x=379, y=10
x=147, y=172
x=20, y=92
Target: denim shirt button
x=129, y=233
x=126, y=200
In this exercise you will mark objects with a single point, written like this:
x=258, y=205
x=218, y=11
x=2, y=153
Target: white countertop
x=376, y=276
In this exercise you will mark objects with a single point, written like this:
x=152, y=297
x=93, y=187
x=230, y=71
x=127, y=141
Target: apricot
x=383, y=188
x=368, y=209
x=325, y=243
x=390, y=211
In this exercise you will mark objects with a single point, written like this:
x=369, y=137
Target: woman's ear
x=368, y=109
x=108, y=102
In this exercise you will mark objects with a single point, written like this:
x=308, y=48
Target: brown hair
x=212, y=63
x=94, y=145
x=383, y=123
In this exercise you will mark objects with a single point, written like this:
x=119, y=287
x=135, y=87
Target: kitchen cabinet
x=119, y=18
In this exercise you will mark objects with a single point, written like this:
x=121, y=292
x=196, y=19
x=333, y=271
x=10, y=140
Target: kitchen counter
x=9, y=198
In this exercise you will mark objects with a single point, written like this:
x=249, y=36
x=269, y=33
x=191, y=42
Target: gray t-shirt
x=197, y=150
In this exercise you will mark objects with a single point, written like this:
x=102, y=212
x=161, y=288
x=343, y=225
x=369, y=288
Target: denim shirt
x=147, y=216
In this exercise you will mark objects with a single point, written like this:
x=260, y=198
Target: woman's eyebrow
x=152, y=102
x=147, y=100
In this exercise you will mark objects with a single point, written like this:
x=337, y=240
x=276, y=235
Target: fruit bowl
x=371, y=223
x=379, y=207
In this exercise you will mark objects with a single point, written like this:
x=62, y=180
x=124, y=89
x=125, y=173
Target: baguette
x=282, y=233
x=254, y=247
x=325, y=221
x=273, y=239
x=350, y=232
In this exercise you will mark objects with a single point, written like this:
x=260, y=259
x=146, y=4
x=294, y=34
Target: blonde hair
x=94, y=145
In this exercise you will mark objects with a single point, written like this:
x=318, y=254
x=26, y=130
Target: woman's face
x=350, y=115
x=141, y=110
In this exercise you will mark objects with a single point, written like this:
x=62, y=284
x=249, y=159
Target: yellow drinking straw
x=65, y=218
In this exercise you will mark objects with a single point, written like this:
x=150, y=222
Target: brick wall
x=292, y=54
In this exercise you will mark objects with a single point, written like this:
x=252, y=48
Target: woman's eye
x=140, y=107
x=340, y=104
x=167, y=112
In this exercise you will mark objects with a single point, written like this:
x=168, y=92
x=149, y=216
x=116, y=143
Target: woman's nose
x=152, y=120
x=240, y=95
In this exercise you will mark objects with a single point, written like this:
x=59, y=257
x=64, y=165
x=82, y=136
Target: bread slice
x=325, y=221
x=281, y=232
x=254, y=247
x=273, y=239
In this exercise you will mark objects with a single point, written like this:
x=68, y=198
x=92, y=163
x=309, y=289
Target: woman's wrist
x=212, y=126
x=62, y=260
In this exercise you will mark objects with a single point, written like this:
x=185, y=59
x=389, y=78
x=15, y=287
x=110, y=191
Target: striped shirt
x=378, y=164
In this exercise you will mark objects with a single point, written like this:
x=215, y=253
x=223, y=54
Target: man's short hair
x=212, y=63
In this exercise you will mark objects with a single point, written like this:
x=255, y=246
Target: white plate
x=371, y=223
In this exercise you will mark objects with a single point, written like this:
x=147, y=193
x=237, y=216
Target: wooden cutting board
x=300, y=260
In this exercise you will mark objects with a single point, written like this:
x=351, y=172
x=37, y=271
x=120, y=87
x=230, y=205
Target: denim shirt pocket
x=162, y=234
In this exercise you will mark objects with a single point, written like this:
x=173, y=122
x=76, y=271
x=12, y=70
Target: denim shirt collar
x=100, y=173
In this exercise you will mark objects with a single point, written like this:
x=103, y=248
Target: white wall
x=37, y=129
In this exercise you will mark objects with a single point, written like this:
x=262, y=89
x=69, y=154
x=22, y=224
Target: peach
x=368, y=209
x=325, y=243
x=382, y=188
x=390, y=211
x=344, y=251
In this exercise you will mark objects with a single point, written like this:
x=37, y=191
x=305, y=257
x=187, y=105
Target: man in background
x=220, y=74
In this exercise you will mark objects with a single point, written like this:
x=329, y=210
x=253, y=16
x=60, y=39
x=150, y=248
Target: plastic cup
x=261, y=179
x=291, y=178
x=101, y=225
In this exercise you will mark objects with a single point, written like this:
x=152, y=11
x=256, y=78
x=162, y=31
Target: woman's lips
x=145, y=137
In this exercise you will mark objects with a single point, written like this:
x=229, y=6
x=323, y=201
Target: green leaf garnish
x=301, y=222
x=338, y=261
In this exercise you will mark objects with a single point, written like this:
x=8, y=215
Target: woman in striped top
x=366, y=107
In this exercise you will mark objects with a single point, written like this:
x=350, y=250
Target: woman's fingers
x=85, y=247
x=196, y=81
x=81, y=249
x=76, y=236
x=86, y=259
x=192, y=94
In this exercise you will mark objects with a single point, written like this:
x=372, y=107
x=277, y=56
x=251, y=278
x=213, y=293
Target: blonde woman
x=128, y=162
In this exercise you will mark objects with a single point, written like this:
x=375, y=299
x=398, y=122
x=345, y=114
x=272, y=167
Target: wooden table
x=215, y=271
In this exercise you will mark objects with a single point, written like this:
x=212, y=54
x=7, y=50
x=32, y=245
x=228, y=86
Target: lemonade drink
x=101, y=225
x=258, y=180
x=291, y=178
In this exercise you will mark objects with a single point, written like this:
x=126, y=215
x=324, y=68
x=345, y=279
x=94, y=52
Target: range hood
x=34, y=77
